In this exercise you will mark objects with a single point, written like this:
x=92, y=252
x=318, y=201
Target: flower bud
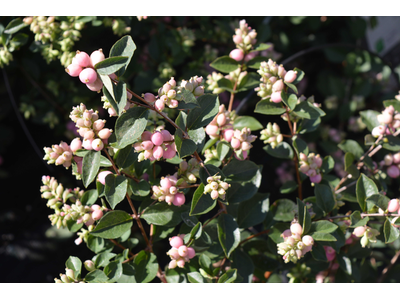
x=88, y=76
x=74, y=70
x=89, y=265
x=97, y=214
x=176, y=242
x=82, y=58
x=96, y=57
x=102, y=176
x=296, y=228
x=237, y=54
x=290, y=76
x=308, y=240
x=359, y=231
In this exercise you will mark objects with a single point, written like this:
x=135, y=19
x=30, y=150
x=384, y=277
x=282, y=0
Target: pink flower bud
x=296, y=228
x=172, y=264
x=308, y=240
x=393, y=205
x=237, y=39
x=278, y=86
x=82, y=58
x=158, y=152
x=377, y=131
x=76, y=144
x=170, y=151
x=393, y=171
x=102, y=176
x=359, y=231
x=74, y=70
x=96, y=57
x=276, y=97
x=221, y=120
x=97, y=214
x=290, y=76
x=179, y=199
x=87, y=144
x=182, y=250
x=105, y=133
x=97, y=145
x=237, y=54
x=88, y=76
x=147, y=145
x=211, y=129
x=176, y=242
x=235, y=143
x=190, y=252
x=159, y=105
x=157, y=138
x=228, y=134
x=96, y=86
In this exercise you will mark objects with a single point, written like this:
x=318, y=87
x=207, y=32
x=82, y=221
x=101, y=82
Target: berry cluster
x=216, y=188
x=235, y=77
x=390, y=121
x=222, y=124
x=179, y=253
x=392, y=162
x=154, y=146
x=189, y=171
x=294, y=246
x=56, y=194
x=244, y=38
x=68, y=277
x=83, y=66
x=310, y=165
x=59, y=155
x=91, y=128
x=111, y=111
x=271, y=135
x=367, y=235
x=168, y=191
x=273, y=78
x=241, y=142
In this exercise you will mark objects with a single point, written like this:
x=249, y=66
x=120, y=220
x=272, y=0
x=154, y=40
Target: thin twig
x=386, y=270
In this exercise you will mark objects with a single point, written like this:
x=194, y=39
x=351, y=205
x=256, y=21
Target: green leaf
x=195, y=277
x=365, y=187
x=73, y=226
x=303, y=216
x=113, y=271
x=267, y=107
x=96, y=276
x=391, y=143
x=146, y=267
x=262, y=47
x=75, y=264
x=379, y=200
x=90, y=166
x=113, y=225
x=288, y=187
x=118, y=98
x=283, y=150
x=184, y=147
x=255, y=63
x=300, y=146
x=94, y=243
x=89, y=197
x=285, y=209
x=357, y=221
x=205, y=113
x=300, y=75
x=125, y=157
x=249, y=81
x=394, y=103
x=163, y=214
x=352, y=147
x=228, y=233
x=209, y=144
x=228, y=277
x=130, y=126
x=123, y=47
x=115, y=189
x=307, y=125
x=188, y=98
x=240, y=170
x=14, y=26
x=128, y=274
x=225, y=64
x=108, y=84
x=307, y=111
x=391, y=232
x=205, y=263
x=322, y=236
x=18, y=40
x=223, y=149
x=102, y=259
x=201, y=203
x=318, y=252
x=325, y=198
x=253, y=211
x=244, y=265
x=289, y=100
x=247, y=121
x=327, y=164
x=292, y=86
x=140, y=189
x=111, y=65
x=226, y=84
x=242, y=191
x=105, y=162
x=369, y=118
x=196, y=231
x=323, y=226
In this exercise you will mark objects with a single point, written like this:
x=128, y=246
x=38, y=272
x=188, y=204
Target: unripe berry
x=74, y=70
x=214, y=194
x=198, y=91
x=105, y=133
x=359, y=231
x=182, y=250
x=278, y=86
x=96, y=57
x=180, y=263
x=158, y=152
x=235, y=143
x=159, y=105
x=76, y=144
x=97, y=145
x=146, y=136
x=173, y=103
x=157, y=138
x=308, y=240
x=221, y=120
x=170, y=152
x=393, y=205
x=316, y=179
x=190, y=252
x=89, y=265
x=377, y=131
x=228, y=134
x=237, y=39
x=296, y=228
x=102, y=176
x=89, y=135
x=97, y=214
x=290, y=76
x=97, y=86
x=179, y=199
x=172, y=264
x=82, y=59
x=149, y=97
x=276, y=97
x=176, y=242
x=88, y=76
x=237, y=54
x=211, y=129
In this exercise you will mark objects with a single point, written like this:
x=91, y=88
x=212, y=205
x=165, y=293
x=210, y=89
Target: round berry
x=88, y=76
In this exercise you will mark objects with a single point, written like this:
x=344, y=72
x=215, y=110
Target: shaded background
x=31, y=250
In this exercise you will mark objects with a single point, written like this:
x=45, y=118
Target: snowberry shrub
x=219, y=227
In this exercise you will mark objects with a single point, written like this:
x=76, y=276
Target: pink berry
x=330, y=253
x=214, y=194
x=102, y=176
x=97, y=145
x=190, y=252
x=296, y=228
x=235, y=143
x=221, y=120
x=97, y=214
x=316, y=179
x=95, y=207
x=174, y=103
x=87, y=144
x=88, y=76
x=377, y=131
x=237, y=54
x=170, y=152
x=396, y=158
x=173, y=253
x=165, y=183
x=172, y=264
x=158, y=152
x=159, y=105
x=278, y=86
x=157, y=138
x=147, y=145
x=393, y=171
x=105, y=133
x=76, y=144
x=212, y=129
x=166, y=135
x=286, y=234
x=359, y=231
x=149, y=97
x=228, y=134
x=179, y=199
x=95, y=86
x=276, y=97
x=96, y=57
x=180, y=263
x=74, y=70
x=250, y=56
x=290, y=76
x=308, y=240
x=176, y=242
x=182, y=250
x=146, y=136
x=393, y=205
x=82, y=58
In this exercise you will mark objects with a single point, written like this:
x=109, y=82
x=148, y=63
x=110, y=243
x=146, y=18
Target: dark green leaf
x=163, y=214
x=262, y=47
x=146, y=266
x=289, y=100
x=115, y=189
x=212, y=170
x=255, y=63
x=225, y=64
x=196, y=231
x=195, y=277
x=94, y=243
x=379, y=200
x=205, y=263
x=113, y=271
x=73, y=226
x=307, y=111
x=394, y=103
x=123, y=47
x=126, y=157
x=228, y=277
x=300, y=75
x=300, y=146
x=391, y=143
x=128, y=274
x=130, y=126
x=244, y=265
x=322, y=236
x=357, y=221
x=391, y=232
x=267, y=107
x=118, y=100
x=369, y=118
x=303, y=216
x=323, y=226
x=188, y=98
x=198, y=136
x=228, y=233
x=307, y=125
x=285, y=210
x=18, y=40
x=96, y=276
x=14, y=26
x=102, y=259
x=223, y=149
x=249, y=81
x=203, y=115
x=225, y=84
x=241, y=191
x=253, y=211
x=240, y=170
x=140, y=189
x=283, y=150
x=327, y=164
x=75, y=264
x=113, y=225
x=201, y=203
x=318, y=252
x=325, y=197
x=105, y=162
x=365, y=187
x=90, y=166
x=247, y=121
x=288, y=187
x=89, y=197
x=111, y=65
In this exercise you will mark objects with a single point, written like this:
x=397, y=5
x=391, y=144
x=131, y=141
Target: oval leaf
x=228, y=233
x=90, y=166
x=113, y=225
x=115, y=189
